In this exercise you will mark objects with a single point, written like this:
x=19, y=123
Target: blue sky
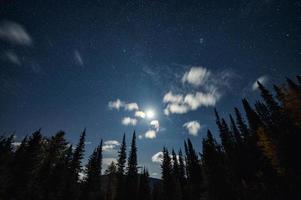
x=102, y=65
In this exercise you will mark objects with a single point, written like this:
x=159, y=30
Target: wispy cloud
x=36, y=68
x=129, y=121
x=12, y=57
x=263, y=80
x=193, y=127
x=14, y=33
x=78, y=58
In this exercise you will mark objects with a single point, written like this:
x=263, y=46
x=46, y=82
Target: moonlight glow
x=150, y=114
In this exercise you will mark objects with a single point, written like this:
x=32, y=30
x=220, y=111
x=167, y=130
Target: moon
x=150, y=114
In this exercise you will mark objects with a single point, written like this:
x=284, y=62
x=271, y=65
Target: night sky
x=157, y=67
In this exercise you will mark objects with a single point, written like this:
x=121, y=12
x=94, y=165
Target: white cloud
x=201, y=99
x=116, y=104
x=140, y=137
x=12, y=57
x=191, y=101
x=151, y=134
x=155, y=124
x=140, y=114
x=158, y=157
x=193, y=127
x=129, y=121
x=120, y=104
x=169, y=97
x=14, y=33
x=131, y=106
x=196, y=76
x=206, y=94
x=263, y=80
x=110, y=145
x=78, y=58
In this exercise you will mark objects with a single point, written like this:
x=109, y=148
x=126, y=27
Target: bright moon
x=150, y=114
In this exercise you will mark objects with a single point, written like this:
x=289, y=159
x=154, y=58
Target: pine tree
x=217, y=176
x=71, y=190
x=78, y=156
x=175, y=168
x=111, y=173
x=6, y=155
x=120, y=190
x=236, y=133
x=268, y=98
x=92, y=183
x=166, y=167
x=252, y=116
x=280, y=93
x=243, y=128
x=25, y=169
x=194, y=170
x=55, y=147
x=182, y=176
x=121, y=157
x=132, y=171
x=144, y=192
x=112, y=169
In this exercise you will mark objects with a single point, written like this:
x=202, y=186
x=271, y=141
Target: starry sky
x=157, y=67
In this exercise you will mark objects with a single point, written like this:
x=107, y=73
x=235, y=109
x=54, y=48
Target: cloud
x=12, y=57
x=193, y=127
x=158, y=157
x=131, y=106
x=151, y=134
x=78, y=58
x=205, y=93
x=196, y=76
x=129, y=121
x=181, y=104
x=140, y=137
x=110, y=145
x=120, y=104
x=116, y=104
x=14, y=33
x=155, y=124
x=169, y=97
x=140, y=114
x=263, y=80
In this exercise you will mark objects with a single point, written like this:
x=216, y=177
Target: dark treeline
x=256, y=158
